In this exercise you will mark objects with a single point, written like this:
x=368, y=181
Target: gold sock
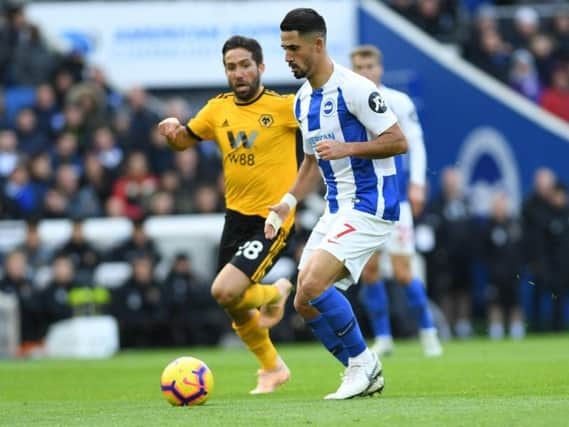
x=258, y=341
x=257, y=295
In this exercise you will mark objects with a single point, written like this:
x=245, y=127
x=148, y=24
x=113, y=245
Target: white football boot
x=431, y=344
x=361, y=372
x=382, y=345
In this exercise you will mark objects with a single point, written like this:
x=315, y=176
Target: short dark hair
x=246, y=43
x=305, y=21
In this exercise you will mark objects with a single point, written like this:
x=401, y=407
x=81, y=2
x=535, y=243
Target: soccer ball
x=186, y=381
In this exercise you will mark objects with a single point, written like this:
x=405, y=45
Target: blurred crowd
x=72, y=146
x=525, y=49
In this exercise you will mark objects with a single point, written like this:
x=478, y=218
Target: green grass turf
x=476, y=383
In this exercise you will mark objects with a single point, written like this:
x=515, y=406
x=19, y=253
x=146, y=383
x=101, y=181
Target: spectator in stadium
x=136, y=186
x=160, y=156
x=54, y=204
x=72, y=120
x=79, y=202
x=31, y=140
x=526, y=25
x=66, y=152
x=494, y=55
x=139, y=307
x=12, y=29
x=139, y=245
x=142, y=119
x=449, y=262
x=437, y=18
x=524, y=78
x=41, y=175
x=9, y=155
x=32, y=61
x=55, y=298
x=207, y=199
x=113, y=98
x=97, y=177
x=560, y=28
x=404, y=8
x=162, y=203
x=542, y=48
x=193, y=316
x=252, y=185
x=45, y=109
x=82, y=254
x=108, y=152
x=186, y=164
x=19, y=190
x=5, y=121
x=92, y=100
x=501, y=252
x=17, y=282
x=171, y=183
x=555, y=258
x=536, y=214
x=62, y=82
x=555, y=98
x=37, y=254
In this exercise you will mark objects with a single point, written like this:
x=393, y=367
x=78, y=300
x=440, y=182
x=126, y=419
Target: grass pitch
x=476, y=383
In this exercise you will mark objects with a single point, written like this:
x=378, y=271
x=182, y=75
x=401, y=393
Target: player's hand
x=277, y=215
x=328, y=149
x=416, y=195
x=169, y=127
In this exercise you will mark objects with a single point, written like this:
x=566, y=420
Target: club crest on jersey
x=328, y=107
x=266, y=120
x=376, y=103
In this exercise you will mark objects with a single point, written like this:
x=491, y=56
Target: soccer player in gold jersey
x=255, y=130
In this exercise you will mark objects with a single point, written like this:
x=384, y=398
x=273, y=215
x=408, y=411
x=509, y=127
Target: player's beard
x=253, y=88
x=300, y=72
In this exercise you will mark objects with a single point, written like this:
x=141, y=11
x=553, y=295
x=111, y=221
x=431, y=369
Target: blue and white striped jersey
x=349, y=108
x=411, y=166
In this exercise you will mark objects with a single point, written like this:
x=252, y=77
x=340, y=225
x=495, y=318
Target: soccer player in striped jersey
x=411, y=174
x=350, y=137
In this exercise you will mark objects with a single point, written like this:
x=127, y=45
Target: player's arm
x=307, y=178
x=177, y=135
x=411, y=126
x=389, y=143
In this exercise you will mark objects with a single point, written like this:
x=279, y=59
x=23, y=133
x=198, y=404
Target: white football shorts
x=351, y=236
x=402, y=241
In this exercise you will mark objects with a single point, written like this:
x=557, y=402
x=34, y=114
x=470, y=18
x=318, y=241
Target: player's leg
x=418, y=302
x=316, y=322
x=512, y=305
x=316, y=296
x=402, y=248
x=246, y=256
x=376, y=304
x=349, y=242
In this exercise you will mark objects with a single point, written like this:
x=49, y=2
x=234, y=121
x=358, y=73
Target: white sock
x=517, y=330
x=496, y=331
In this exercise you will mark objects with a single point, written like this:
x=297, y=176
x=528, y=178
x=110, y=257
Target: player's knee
x=224, y=296
x=309, y=287
x=370, y=276
x=403, y=276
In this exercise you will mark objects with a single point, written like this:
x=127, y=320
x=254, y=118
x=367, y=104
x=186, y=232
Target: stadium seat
x=18, y=97
x=13, y=234
x=105, y=233
x=43, y=276
x=112, y=274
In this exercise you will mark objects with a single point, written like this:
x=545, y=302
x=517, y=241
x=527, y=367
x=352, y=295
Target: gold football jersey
x=258, y=145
